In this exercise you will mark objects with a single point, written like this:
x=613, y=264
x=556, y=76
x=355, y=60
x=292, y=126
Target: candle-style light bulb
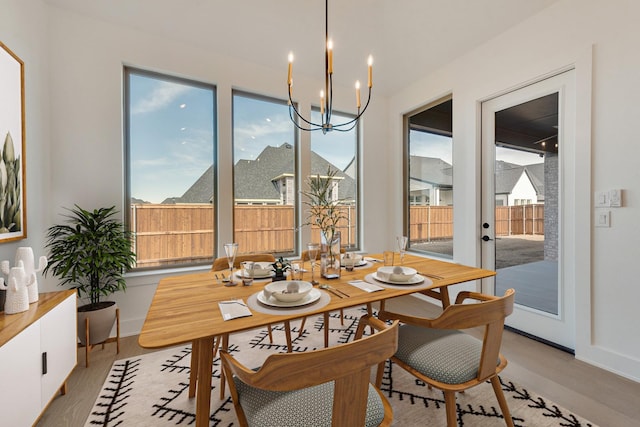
x=289, y=79
x=321, y=102
x=330, y=56
x=370, y=63
x=358, y=94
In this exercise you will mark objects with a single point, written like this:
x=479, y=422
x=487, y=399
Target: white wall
x=600, y=40
x=23, y=28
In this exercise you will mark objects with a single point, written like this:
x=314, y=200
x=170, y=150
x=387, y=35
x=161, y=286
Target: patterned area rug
x=151, y=390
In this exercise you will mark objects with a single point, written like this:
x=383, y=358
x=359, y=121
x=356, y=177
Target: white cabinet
x=58, y=341
x=20, y=378
x=37, y=354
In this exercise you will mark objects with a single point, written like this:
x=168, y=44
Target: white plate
x=241, y=274
x=312, y=296
x=413, y=281
x=359, y=263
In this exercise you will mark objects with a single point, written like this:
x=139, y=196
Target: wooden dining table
x=185, y=309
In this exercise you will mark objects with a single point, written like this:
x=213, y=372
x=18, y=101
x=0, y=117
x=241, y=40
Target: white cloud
x=160, y=97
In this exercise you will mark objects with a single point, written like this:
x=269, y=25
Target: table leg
x=326, y=329
x=203, y=396
x=225, y=347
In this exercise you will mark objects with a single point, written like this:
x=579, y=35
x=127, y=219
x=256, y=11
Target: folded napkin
x=368, y=258
x=366, y=286
x=233, y=309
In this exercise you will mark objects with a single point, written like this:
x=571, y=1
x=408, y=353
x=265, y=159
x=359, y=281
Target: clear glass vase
x=332, y=268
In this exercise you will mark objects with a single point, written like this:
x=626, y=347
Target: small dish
x=262, y=269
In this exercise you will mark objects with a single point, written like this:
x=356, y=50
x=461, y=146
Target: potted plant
x=324, y=210
x=90, y=252
x=280, y=267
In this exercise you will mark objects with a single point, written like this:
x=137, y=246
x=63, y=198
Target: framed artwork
x=13, y=224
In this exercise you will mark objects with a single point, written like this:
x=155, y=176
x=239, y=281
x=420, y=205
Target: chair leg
x=497, y=389
x=450, y=404
x=304, y=320
x=379, y=374
x=326, y=329
x=287, y=334
x=193, y=373
x=270, y=332
x=342, y=317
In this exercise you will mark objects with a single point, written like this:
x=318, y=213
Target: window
x=170, y=164
x=264, y=184
x=339, y=151
x=429, y=185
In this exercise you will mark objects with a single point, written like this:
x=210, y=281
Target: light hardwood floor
x=602, y=397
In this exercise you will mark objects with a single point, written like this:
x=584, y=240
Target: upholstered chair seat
x=305, y=407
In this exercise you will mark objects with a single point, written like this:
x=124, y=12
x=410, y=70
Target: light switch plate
x=615, y=198
x=603, y=218
x=601, y=199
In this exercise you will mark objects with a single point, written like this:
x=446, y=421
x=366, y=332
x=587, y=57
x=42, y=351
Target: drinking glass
x=312, y=250
x=231, y=249
x=247, y=273
x=402, y=247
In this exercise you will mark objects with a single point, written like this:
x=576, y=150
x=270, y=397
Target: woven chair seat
x=448, y=356
x=308, y=407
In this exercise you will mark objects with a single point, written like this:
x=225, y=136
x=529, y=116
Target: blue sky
x=172, y=133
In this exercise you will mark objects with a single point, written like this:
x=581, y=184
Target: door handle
x=486, y=238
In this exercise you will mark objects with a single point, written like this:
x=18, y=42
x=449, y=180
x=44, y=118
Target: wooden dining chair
x=438, y=353
x=327, y=387
x=220, y=264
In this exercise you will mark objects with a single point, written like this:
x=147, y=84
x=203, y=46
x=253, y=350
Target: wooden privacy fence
x=172, y=234
x=523, y=219
x=429, y=223
x=175, y=234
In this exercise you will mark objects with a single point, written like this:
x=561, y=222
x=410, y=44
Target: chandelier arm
x=292, y=105
x=355, y=119
x=295, y=123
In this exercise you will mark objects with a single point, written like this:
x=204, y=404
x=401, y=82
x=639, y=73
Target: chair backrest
x=222, y=263
x=489, y=313
x=348, y=365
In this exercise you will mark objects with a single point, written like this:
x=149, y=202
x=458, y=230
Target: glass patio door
x=527, y=138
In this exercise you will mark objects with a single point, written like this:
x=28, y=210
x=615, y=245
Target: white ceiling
x=407, y=38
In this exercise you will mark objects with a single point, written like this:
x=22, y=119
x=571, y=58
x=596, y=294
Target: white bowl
x=288, y=290
x=354, y=259
x=262, y=269
x=396, y=273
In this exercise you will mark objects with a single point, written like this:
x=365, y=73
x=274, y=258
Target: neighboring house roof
x=508, y=174
x=536, y=174
x=506, y=179
x=254, y=179
x=431, y=170
x=201, y=191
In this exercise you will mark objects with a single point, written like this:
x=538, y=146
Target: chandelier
x=326, y=95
